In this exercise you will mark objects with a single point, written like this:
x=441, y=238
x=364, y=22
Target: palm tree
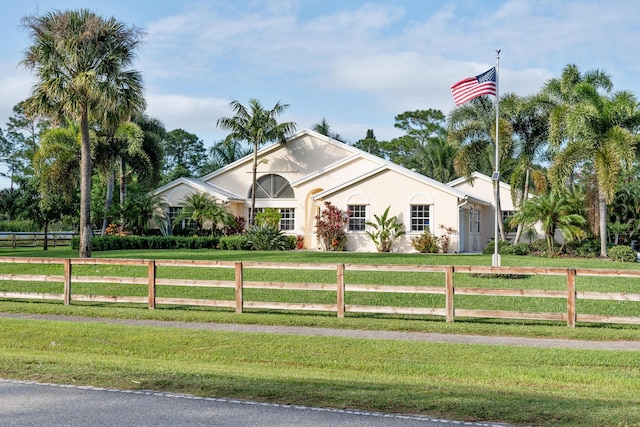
x=223, y=153
x=323, y=128
x=529, y=117
x=81, y=61
x=472, y=127
x=257, y=126
x=594, y=128
x=435, y=160
x=142, y=209
x=200, y=208
x=554, y=212
x=56, y=162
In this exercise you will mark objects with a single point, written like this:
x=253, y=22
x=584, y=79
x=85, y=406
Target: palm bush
x=267, y=238
x=385, y=230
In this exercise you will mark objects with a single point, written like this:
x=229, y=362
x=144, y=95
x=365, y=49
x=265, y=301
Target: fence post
x=449, y=293
x=239, y=287
x=571, y=298
x=67, y=281
x=152, y=284
x=340, y=296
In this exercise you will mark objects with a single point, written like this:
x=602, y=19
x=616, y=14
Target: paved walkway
x=352, y=333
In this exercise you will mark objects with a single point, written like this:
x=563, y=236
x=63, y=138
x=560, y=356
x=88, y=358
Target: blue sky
x=356, y=63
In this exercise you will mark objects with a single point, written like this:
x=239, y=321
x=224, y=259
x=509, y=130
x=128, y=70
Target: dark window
x=357, y=217
x=419, y=217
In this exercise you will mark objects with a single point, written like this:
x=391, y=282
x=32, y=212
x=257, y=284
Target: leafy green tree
x=184, y=153
x=385, y=230
x=82, y=61
x=595, y=128
x=554, y=212
x=257, y=126
x=370, y=144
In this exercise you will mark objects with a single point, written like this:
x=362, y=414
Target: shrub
x=267, y=238
x=113, y=243
x=586, y=248
x=329, y=227
x=426, y=243
x=502, y=247
x=234, y=227
x=234, y=243
x=622, y=254
x=385, y=231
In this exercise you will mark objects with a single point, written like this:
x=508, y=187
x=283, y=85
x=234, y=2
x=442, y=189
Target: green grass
x=467, y=382
x=529, y=386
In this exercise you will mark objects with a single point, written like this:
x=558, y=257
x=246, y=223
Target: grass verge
x=518, y=385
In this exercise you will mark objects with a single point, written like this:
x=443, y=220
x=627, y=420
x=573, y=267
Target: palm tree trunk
x=602, y=211
x=123, y=184
x=525, y=196
x=108, y=199
x=85, y=189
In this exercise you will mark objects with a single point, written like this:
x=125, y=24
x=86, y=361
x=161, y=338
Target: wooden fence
x=448, y=288
x=35, y=239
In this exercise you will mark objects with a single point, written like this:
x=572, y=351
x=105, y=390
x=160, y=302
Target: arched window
x=273, y=186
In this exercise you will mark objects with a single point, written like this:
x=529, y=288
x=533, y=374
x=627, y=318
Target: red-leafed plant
x=330, y=228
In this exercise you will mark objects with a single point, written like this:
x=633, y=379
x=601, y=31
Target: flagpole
x=495, y=262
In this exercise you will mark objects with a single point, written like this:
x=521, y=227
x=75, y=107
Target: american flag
x=473, y=87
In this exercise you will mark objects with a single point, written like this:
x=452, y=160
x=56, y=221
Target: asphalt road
x=31, y=404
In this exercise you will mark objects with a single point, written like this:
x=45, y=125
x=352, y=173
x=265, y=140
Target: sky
x=356, y=64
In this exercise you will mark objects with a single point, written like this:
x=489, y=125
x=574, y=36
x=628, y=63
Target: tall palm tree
x=529, y=118
x=82, y=62
x=114, y=151
x=257, y=126
x=596, y=128
x=472, y=127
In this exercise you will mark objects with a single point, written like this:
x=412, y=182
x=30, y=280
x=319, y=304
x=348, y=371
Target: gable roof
x=215, y=191
x=274, y=147
x=480, y=176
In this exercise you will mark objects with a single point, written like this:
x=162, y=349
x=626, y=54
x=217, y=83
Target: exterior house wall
x=389, y=188
x=320, y=169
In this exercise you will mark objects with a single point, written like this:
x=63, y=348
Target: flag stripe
x=472, y=87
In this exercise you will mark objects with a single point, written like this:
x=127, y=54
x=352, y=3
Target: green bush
x=426, y=243
x=19, y=226
x=622, y=254
x=114, y=243
x=266, y=238
x=504, y=247
x=234, y=243
x=586, y=248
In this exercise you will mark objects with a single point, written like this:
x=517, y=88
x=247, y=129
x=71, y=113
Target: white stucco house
x=298, y=177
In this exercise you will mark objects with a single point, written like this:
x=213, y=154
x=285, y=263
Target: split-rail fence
x=238, y=303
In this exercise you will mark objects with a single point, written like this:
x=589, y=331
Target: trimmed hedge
x=113, y=243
